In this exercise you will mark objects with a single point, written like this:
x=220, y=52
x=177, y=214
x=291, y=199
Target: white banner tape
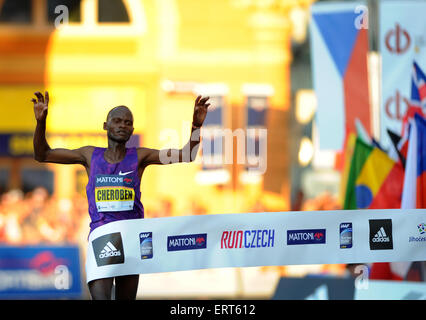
x=255, y=239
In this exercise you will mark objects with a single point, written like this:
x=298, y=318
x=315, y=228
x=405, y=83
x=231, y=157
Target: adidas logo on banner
x=109, y=251
x=381, y=236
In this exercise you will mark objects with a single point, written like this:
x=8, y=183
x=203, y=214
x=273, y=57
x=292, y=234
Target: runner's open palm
x=41, y=105
x=200, y=111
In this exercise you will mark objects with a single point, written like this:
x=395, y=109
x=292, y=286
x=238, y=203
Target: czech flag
x=414, y=192
x=375, y=180
x=339, y=51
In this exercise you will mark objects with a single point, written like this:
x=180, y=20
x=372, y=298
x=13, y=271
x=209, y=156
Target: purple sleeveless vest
x=113, y=190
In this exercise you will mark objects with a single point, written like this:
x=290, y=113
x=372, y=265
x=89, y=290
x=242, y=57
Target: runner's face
x=119, y=125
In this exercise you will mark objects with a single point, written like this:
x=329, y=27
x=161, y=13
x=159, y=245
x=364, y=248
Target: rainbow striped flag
x=375, y=180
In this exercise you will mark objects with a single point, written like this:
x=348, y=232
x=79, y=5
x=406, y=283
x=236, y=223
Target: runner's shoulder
x=87, y=151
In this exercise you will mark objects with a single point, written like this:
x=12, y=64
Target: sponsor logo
x=37, y=270
x=124, y=173
x=147, y=251
x=311, y=236
x=262, y=238
x=421, y=228
x=187, y=242
x=381, y=234
x=345, y=235
x=108, y=179
x=397, y=40
x=396, y=105
x=108, y=249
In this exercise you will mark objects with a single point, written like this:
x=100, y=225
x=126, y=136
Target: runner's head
x=119, y=124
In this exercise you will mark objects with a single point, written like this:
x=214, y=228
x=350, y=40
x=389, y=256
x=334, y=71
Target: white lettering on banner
x=381, y=236
x=182, y=242
x=256, y=239
x=26, y=280
x=301, y=236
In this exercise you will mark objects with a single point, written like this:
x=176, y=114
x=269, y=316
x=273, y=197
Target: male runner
x=114, y=160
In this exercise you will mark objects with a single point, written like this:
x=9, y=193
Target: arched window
x=12, y=11
x=32, y=178
x=112, y=11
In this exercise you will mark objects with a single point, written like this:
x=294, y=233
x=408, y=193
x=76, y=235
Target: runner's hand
x=41, y=105
x=200, y=111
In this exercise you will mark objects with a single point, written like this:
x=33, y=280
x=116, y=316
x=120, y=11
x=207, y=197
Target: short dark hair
x=110, y=111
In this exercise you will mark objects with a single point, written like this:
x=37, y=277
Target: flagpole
x=374, y=66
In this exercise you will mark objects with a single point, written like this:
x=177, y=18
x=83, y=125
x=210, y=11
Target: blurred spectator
x=36, y=218
x=36, y=201
x=325, y=201
x=12, y=210
x=296, y=205
x=48, y=223
x=196, y=208
x=165, y=210
x=258, y=207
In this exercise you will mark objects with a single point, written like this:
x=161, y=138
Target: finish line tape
x=170, y=244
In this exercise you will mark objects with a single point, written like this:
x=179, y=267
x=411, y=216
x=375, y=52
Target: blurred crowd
x=39, y=218
x=36, y=217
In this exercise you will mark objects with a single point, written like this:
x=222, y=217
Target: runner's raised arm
x=42, y=150
x=189, y=151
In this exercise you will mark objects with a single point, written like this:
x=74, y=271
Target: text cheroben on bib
x=114, y=193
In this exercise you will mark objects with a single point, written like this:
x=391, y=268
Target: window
x=12, y=11
x=4, y=179
x=81, y=181
x=112, y=11
x=73, y=6
x=212, y=139
x=33, y=178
